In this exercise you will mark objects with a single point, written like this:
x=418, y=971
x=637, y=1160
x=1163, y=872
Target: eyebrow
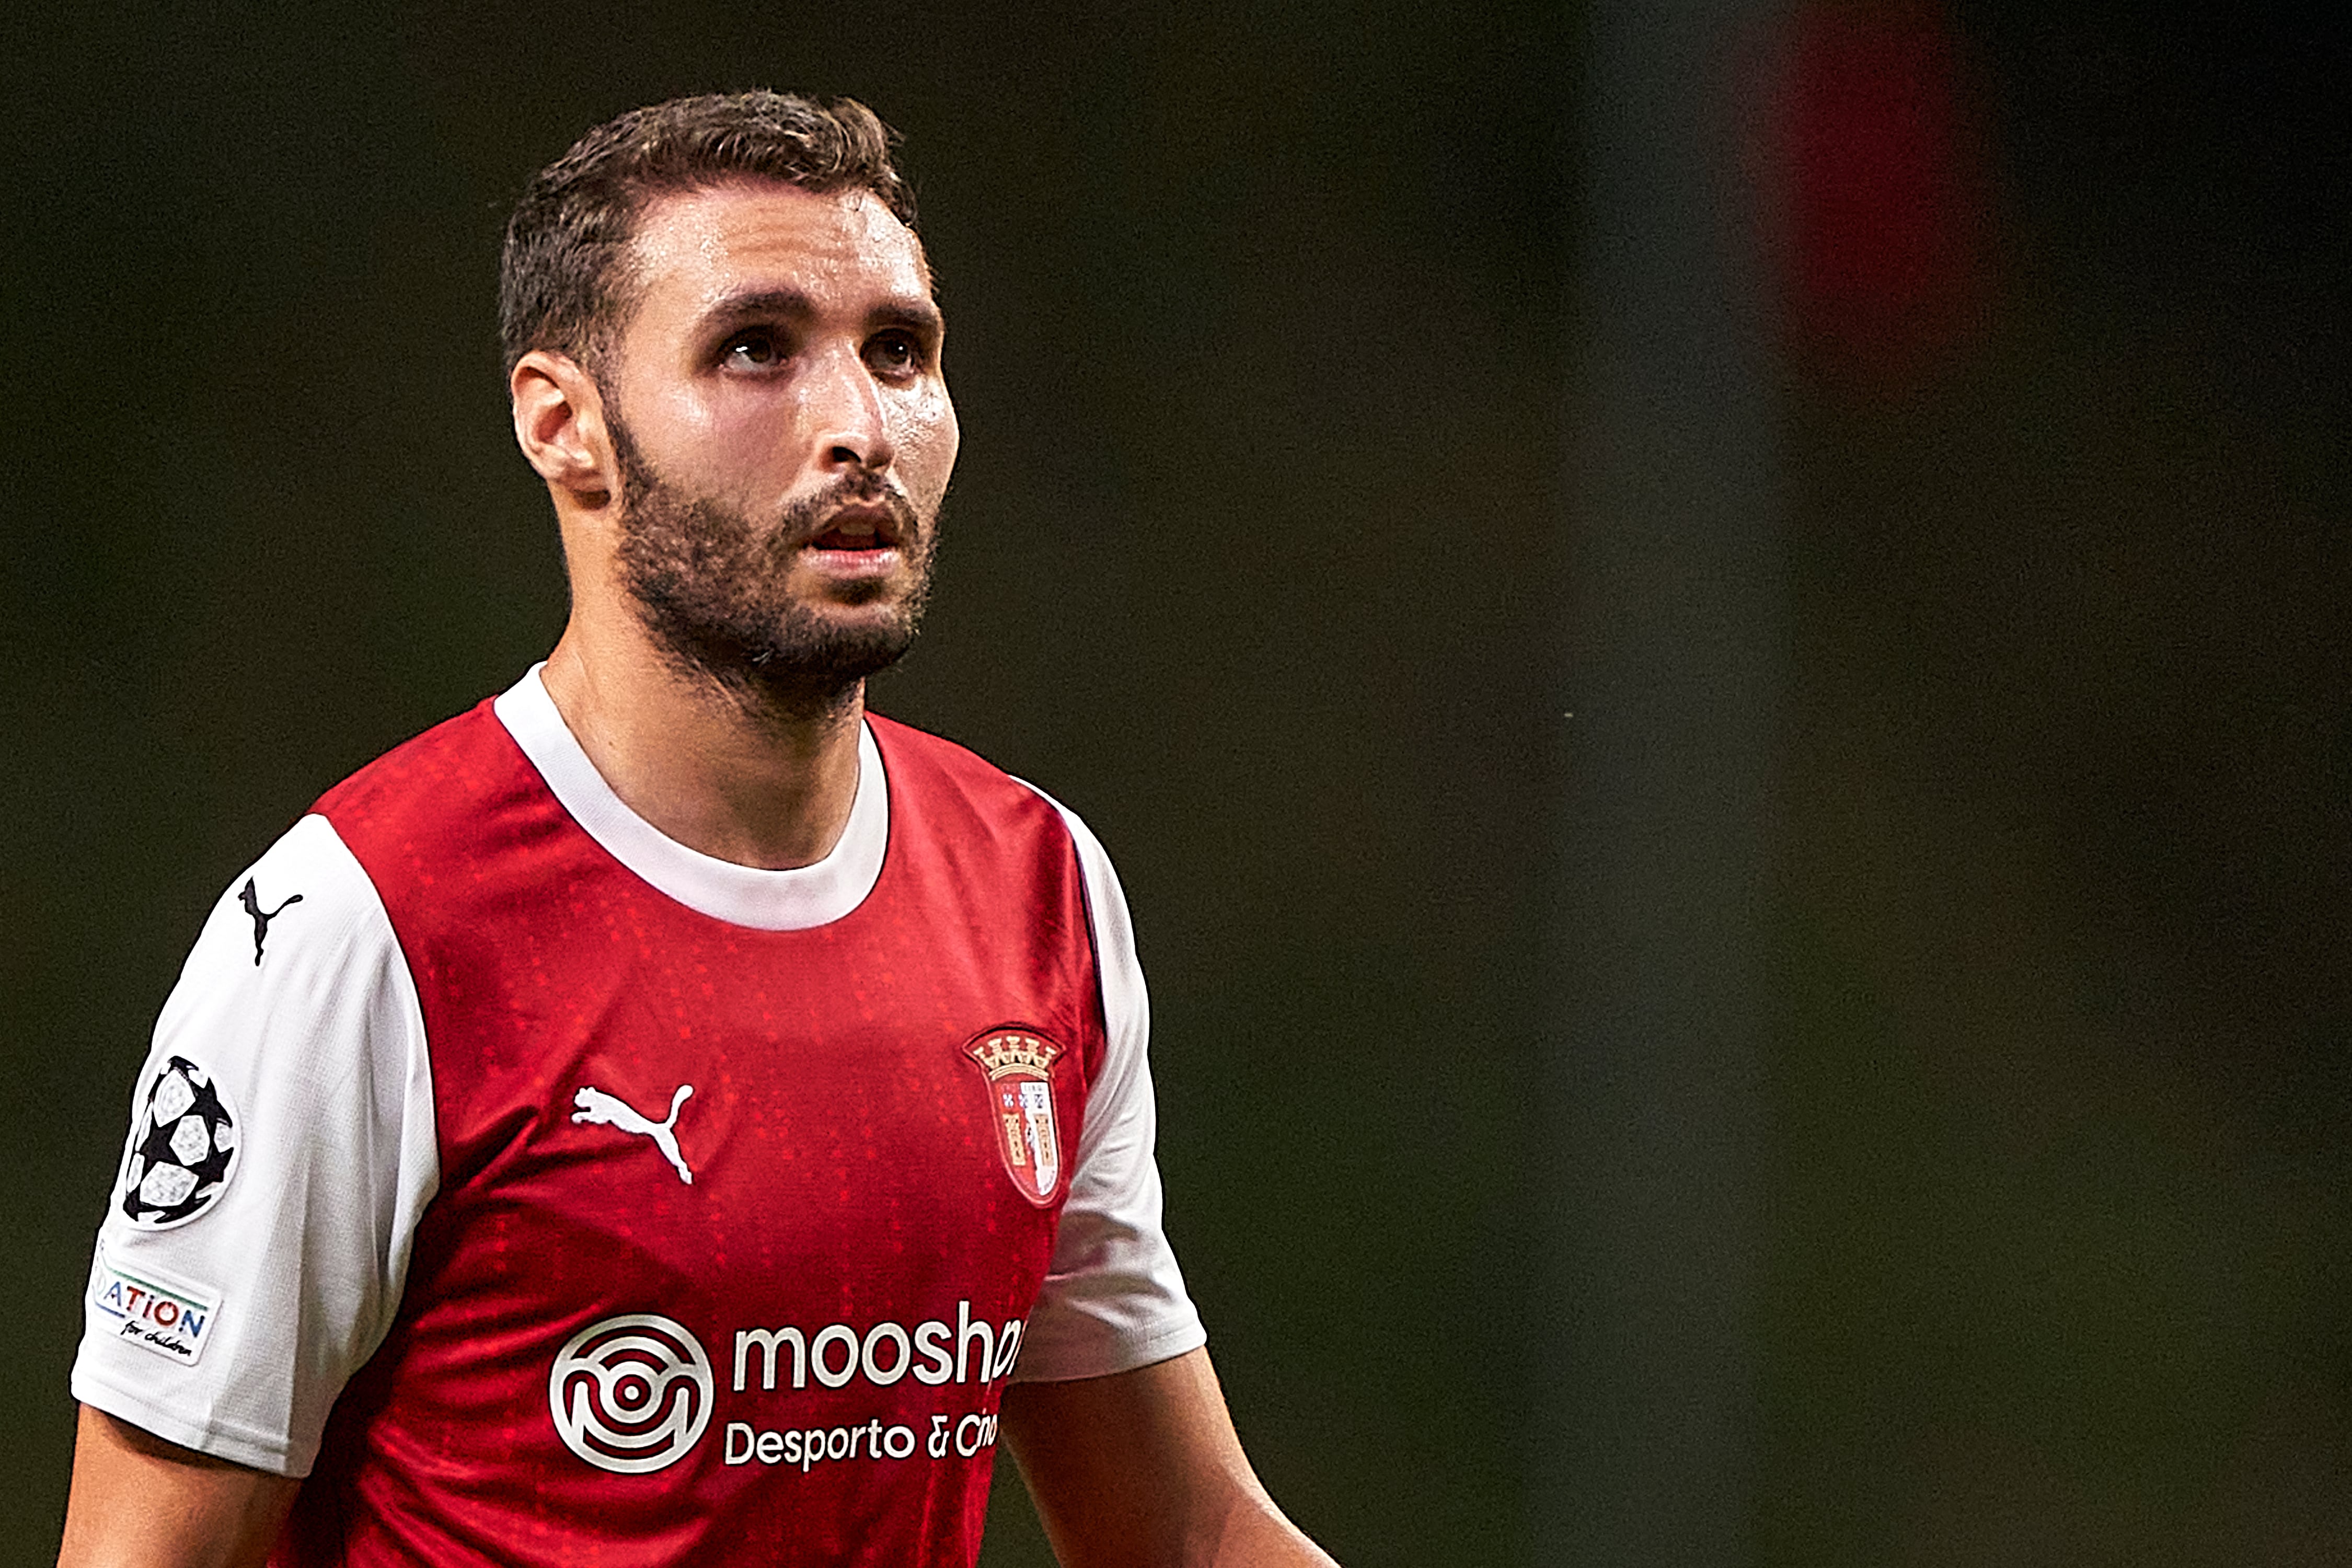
x=909, y=310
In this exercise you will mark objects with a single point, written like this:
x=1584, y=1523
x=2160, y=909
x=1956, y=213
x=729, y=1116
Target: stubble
x=712, y=588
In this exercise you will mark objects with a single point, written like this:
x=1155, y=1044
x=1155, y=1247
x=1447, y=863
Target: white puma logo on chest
x=596, y=1106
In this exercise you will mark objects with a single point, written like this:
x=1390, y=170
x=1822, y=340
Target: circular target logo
x=631, y=1393
x=184, y=1152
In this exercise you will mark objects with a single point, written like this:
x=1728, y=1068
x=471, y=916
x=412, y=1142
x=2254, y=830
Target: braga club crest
x=1020, y=1068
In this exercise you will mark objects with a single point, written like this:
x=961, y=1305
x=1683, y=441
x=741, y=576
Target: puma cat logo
x=596, y=1106
x=261, y=917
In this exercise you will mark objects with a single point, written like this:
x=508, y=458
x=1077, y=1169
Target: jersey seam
x=1094, y=933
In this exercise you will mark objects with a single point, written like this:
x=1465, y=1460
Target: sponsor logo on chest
x=635, y=1394
x=631, y=1394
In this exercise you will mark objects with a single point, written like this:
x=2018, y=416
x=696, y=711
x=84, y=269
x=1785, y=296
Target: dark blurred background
x=1265, y=337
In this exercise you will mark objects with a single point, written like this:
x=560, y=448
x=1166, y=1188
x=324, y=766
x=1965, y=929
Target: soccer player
x=667, y=1114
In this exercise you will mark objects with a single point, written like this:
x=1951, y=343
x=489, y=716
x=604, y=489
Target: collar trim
x=792, y=900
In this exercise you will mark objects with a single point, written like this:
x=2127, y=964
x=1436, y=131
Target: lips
x=861, y=528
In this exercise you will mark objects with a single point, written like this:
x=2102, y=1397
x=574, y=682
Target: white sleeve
x=1113, y=1299
x=281, y=1148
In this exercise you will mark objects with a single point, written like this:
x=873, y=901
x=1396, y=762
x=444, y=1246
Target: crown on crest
x=1001, y=1054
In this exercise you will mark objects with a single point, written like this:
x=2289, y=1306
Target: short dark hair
x=559, y=281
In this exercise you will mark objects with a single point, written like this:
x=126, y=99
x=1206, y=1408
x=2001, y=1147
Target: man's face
x=784, y=435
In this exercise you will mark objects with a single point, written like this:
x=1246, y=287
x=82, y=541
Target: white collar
x=795, y=899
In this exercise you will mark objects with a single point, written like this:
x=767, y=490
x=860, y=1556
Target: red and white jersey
x=548, y=1193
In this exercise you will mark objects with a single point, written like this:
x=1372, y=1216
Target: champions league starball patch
x=1019, y=1065
x=183, y=1153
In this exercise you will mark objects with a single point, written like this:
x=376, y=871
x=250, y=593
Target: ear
x=559, y=423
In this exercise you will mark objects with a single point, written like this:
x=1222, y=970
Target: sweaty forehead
x=845, y=249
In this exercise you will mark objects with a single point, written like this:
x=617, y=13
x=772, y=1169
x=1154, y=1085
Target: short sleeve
x=281, y=1149
x=1114, y=1298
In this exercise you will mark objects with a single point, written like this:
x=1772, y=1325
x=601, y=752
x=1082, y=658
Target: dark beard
x=710, y=587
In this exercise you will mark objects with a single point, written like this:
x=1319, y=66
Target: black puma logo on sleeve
x=261, y=917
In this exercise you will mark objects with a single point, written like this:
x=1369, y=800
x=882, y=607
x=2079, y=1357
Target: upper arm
x=281, y=1148
x=140, y=1503
x=1141, y=1469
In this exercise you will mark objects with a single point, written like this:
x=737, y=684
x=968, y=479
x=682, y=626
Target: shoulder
x=935, y=760
x=461, y=767
x=935, y=779
x=307, y=904
x=916, y=760
x=455, y=817
x=302, y=925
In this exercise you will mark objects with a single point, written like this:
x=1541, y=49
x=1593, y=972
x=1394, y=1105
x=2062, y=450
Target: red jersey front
x=735, y=1226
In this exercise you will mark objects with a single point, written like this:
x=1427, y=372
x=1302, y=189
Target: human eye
x=753, y=349
x=897, y=354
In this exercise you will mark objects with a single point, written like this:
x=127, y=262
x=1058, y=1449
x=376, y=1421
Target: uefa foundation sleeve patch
x=173, y=1321
x=183, y=1153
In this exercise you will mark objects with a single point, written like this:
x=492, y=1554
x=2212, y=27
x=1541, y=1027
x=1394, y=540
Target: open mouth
x=859, y=528
x=847, y=538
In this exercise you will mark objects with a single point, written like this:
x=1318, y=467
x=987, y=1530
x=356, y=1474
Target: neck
x=721, y=767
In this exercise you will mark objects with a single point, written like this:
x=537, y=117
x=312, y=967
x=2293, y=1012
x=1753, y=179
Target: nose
x=852, y=428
